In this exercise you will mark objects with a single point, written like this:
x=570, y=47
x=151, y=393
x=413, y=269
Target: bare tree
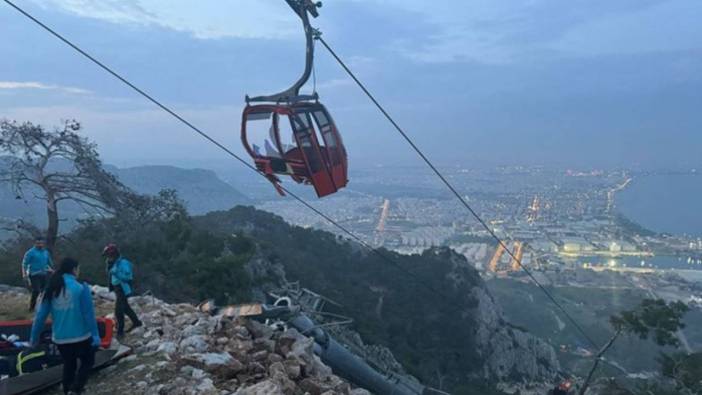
x=652, y=318
x=57, y=166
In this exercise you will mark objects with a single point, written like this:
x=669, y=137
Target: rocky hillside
x=434, y=301
x=429, y=315
x=181, y=351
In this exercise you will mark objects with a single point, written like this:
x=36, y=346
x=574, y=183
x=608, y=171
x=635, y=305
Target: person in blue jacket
x=36, y=267
x=74, y=327
x=120, y=276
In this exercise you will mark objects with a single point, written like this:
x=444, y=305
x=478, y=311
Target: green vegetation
x=591, y=308
x=429, y=332
x=182, y=258
x=653, y=319
x=684, y=370
x=425, y=318
x=172, y=258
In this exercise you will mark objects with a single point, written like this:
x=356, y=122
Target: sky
x=581, y=83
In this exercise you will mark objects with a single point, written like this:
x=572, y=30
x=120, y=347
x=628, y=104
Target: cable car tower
x=299, y=137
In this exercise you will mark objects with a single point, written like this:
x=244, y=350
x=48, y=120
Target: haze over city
x=585, y=83
x=547, y=239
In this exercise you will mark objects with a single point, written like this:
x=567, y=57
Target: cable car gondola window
x=304, y=133
x=259, y=127
x=286, y=136
x=327, y=131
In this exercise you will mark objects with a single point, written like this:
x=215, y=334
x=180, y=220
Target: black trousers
x=71, y=353
x=122, y=307
x=38, y=283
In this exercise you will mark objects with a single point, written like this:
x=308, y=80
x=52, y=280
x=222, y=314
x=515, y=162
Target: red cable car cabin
x=290, y=144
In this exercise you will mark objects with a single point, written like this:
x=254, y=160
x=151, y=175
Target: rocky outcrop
x=412, y=297
x=219, y=355
x=181, y=351
x=509, y=354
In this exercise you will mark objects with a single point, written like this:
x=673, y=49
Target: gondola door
x=306, y=138
x=334, y=151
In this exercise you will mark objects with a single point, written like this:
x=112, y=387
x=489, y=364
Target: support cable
x=454, y=191
x=293, y=195
x=222, y=147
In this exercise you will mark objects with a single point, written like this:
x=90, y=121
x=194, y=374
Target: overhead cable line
x=293, y=195
x=225, y=149
x=454, y=191
x=150, y=98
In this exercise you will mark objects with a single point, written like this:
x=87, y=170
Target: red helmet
x=565, y=385
x=110, y=250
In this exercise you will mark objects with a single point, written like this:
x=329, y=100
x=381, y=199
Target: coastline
x=665, y=203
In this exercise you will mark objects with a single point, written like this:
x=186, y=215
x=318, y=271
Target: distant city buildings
x=548, y=217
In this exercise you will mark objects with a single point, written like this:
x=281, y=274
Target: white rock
x=103, y=293
x=168, y=312
x=205, y=386
x=198, y=374
x=192, y=330
x=266, y=387
x=195, y=343
x=154, y=345
x=213, y=359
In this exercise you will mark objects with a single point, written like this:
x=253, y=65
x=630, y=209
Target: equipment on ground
x=293, y=134
x=26, y=371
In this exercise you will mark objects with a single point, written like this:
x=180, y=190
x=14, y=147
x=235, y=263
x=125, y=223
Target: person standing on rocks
x=74, y=327
x=36, y=267
x=120, y=275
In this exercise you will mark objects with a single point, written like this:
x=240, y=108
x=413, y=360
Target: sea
x=664, y=204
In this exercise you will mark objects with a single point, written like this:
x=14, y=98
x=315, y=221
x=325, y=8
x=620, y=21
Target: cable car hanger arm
x=303, y=8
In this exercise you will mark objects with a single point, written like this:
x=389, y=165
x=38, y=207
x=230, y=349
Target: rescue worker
x=74, y=327
x=120, y=276
x=36, y=267
x=562, y=389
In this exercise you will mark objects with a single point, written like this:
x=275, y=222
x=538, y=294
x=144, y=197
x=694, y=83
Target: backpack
x=38, y=358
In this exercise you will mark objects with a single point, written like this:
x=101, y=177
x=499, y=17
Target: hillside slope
x=181, y=351
x=438, y=320
x=201, y=190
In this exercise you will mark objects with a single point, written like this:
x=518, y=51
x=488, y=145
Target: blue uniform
x=121, y=275
x=37, y=261
x=72, y=314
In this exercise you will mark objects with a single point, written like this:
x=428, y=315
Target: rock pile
x=183, y=351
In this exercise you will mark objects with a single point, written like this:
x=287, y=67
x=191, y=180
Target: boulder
x=213, y=359
x=194, y=344
x=167, y=348
x=266, y=387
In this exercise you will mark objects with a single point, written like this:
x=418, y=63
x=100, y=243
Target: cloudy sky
x=576, y=83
